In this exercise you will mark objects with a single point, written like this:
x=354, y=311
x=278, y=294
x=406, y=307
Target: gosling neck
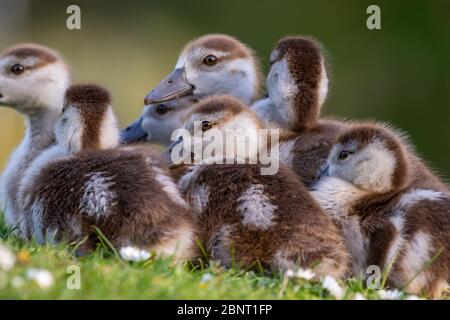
x=40, y=128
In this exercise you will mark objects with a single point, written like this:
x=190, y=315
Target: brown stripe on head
x=306, y=67
x=41, y=54
x=221, y=42
x=366, y=133
x=231, y=48
x=87, y=93
x=92, y=103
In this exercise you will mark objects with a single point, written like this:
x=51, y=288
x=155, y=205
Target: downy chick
x=85, y=182
x=404, y=227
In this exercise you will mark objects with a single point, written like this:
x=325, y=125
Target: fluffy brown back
x=301, y=232
x=114, y=190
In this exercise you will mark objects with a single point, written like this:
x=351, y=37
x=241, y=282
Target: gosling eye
x=17, y=69
x=271, y=62
x=162, y=109
x=206, y=125
x=64, y=121
x=344, y=154
x=210, y=60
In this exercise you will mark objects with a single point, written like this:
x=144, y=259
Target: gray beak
x=173, y=144
x=133, y=133
x=172, y=87
x=324, y=173
x=167, y=153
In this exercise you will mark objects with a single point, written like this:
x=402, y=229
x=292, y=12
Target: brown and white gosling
x=33, y=79
x=84, y=181
x=209, y=65
x=252, y=219
x=297, y=86
x=370, y=179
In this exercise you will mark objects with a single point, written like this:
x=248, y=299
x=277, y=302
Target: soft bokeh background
x=399, y=74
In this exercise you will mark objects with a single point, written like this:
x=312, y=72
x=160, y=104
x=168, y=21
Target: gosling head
x=158, y=121
x=371, y=157
x=222, y=113
x=88, y=120
x=212, y=64
x=33, y=78
x=224, y=121
x=297, y=82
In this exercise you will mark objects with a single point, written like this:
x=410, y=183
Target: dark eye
x=206, y=125
x=210, y=60
x=17, y=69
x=271, y=62
x=162, y=109
x=344, y=154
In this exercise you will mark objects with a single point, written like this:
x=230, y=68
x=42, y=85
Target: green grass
x=105, y=276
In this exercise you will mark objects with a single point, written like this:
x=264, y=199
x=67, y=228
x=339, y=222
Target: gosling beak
x=133, y=133
x=172, y=87
x=167, y=153
x=324, y=173
x=171, y=146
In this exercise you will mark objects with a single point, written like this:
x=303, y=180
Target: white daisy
x=306, y=274
x=389, y=294
x=359, y=296
x=206, y=278
x=413, y=297
x=42, y=277
x=7, y=258
x=333, y=287
x=289, y=273
x=134, y=254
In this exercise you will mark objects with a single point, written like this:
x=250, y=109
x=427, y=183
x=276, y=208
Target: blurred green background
x=400, y=74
